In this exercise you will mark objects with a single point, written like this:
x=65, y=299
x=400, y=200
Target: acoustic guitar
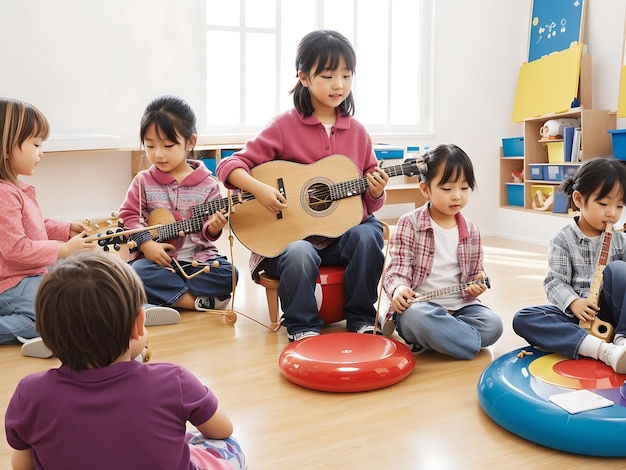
x=597, y=327
x=169, y=227
x=321, y=200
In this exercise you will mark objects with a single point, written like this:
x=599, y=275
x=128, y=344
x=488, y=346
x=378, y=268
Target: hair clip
x=422, y=167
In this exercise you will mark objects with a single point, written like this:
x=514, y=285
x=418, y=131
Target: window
x=251, y=47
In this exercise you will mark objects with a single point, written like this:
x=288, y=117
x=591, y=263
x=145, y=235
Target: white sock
x=590, y=347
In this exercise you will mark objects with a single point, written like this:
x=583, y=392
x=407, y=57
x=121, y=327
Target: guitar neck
x=199, y=214
x=449, y=290
x=359, y=186
x=596, y=283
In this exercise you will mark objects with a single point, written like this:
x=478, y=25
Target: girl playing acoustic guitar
x=432, y=248
x=598, y=190
x=175, y=185
x=321, y=125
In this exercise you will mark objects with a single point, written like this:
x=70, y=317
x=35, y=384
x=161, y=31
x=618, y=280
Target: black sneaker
x=302, y=335
x=204, y=304
x=369, y=330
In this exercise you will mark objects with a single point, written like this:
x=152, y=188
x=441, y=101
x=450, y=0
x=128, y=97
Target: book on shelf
x=576, y=152
x=568, y=140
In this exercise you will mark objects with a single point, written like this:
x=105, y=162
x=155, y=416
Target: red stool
x=330, y=282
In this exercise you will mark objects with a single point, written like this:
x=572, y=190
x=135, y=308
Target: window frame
x=241, y=133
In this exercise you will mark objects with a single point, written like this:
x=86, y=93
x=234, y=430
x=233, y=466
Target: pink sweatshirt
x=152, y=189
x=28, y=241
x=292, y=137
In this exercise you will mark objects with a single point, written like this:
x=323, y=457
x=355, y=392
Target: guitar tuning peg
x=109, y=223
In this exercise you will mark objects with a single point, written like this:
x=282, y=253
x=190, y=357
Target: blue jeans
x=164, y=287
x=359, y=249
x=460, y=335
x=17, y=310
x=548, y=328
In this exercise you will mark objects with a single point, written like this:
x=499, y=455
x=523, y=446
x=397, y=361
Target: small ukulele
x=597, y=327
x=389, y=325
x=433, y=294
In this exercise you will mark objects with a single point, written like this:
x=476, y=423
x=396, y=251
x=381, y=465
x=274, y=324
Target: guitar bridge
x=281, y=189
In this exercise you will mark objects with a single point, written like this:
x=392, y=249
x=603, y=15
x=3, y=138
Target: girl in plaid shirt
x=598, y=190
x=434, y=248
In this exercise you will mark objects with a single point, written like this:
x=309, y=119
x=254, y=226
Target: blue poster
x=554, y=26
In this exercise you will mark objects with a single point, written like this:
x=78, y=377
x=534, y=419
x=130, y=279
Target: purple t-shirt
x=126, y=415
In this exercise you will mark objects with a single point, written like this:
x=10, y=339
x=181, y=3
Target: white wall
x=93, y=66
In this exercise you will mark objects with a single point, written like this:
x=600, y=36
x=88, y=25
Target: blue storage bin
x=225, y=153
x=515, y=194
x=513, y=147
x=387, y=152
x=537, y=172
x=618, y=137
x=209, y=163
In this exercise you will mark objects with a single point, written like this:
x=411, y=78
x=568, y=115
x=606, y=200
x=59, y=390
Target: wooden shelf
x=596, y=142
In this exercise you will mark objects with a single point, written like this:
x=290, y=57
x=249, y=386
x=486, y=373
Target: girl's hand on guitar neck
x=402, y=297
x=217, y=221
x=78, y=242
x=584, y=309
x=377, y=180
x=157, y=252
x=77, y=227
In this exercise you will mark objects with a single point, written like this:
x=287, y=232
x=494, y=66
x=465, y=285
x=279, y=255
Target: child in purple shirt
x=101, y=409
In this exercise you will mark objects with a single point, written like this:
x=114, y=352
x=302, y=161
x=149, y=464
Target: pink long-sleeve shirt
x=295, y=138
x=28, y=241
x=153, y=189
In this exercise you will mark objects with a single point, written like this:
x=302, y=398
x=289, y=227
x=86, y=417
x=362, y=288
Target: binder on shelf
x=568, y=141
x=576, y=146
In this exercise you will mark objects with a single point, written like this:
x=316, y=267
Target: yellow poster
x=548, y=85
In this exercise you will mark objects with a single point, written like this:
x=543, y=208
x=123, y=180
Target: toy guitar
x=597, y=327
x=170, y=228
x=320, y=198
x=165, y=226
x=433, y=294
x=389, y=325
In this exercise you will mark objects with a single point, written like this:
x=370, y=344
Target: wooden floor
x=431, y=420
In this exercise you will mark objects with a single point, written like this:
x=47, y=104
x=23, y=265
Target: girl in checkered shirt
x=436, y=253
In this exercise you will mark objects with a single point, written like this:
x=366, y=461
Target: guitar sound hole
x=318, y=197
